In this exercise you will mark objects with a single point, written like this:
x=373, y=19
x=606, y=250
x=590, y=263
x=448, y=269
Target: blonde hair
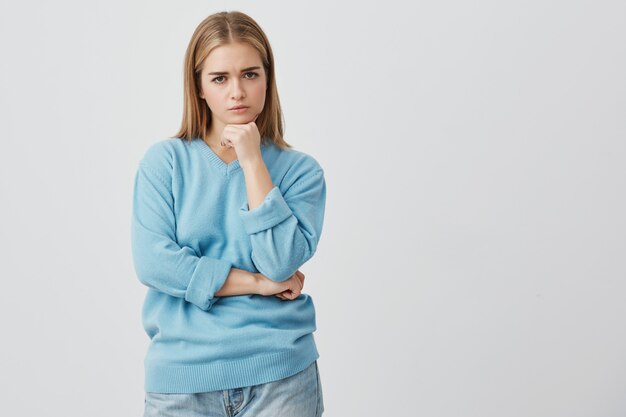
x=221, y=29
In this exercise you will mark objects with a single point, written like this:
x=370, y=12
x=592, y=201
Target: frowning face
x=233, y=75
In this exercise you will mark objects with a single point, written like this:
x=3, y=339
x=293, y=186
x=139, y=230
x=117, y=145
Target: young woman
x=224, y=215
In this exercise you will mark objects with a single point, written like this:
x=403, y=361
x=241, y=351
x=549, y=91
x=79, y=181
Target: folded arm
x=285, y=227
x=159, y=261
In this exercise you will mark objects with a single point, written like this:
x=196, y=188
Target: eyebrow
x=243, y=70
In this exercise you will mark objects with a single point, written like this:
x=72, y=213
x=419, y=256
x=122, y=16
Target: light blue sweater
x=190, y=226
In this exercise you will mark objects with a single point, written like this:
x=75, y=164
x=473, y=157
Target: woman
x=224, y=214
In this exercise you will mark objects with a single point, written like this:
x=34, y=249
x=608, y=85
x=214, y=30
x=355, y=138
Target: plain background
x=472, y=259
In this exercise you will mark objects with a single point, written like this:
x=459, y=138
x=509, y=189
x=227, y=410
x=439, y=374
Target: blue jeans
x=298, y=395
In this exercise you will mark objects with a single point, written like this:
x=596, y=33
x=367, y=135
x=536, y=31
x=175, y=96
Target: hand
x=290, y=295
x=286, y=290
x=244, y=138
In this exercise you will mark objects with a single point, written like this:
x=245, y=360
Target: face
x=233, y=75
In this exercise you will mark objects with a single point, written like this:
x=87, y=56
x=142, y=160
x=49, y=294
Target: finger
x=297, y=282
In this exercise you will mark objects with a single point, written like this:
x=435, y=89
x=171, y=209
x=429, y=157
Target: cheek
x=211, y=99
x=260, y=92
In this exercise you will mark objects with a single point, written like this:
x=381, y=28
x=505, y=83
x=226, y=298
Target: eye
x=215, y=80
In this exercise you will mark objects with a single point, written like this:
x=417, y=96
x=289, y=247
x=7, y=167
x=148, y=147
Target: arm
x=284, y=226
x=258, y=182
x=240, y=282
x=160, y=263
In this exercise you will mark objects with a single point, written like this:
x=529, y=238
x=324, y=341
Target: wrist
x=252, y=162
x=259, y=283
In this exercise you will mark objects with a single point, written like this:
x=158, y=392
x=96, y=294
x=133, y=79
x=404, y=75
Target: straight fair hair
x=221, y=29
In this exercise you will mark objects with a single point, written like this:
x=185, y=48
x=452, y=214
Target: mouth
x=238, y=108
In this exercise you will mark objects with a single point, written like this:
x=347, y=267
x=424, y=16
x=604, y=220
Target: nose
x=237, y=92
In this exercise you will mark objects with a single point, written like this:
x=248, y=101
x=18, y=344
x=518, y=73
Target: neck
x=214, y=135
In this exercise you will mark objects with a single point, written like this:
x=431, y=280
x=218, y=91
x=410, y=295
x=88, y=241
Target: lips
x=238, y=107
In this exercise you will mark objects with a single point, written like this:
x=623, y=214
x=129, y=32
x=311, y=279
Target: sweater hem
x=222, y=375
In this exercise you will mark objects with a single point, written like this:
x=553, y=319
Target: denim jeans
x=299, y=395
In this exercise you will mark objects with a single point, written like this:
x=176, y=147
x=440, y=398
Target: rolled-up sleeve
x=159, y=261
x=285, y=229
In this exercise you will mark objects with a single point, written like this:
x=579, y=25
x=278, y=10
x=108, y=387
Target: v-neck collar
x=214, y=159
x=217, y=162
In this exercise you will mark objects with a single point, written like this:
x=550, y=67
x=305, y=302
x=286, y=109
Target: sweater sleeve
x=159, y=261
x=285, y=229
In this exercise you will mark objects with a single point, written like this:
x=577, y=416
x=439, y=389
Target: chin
x=241, y=118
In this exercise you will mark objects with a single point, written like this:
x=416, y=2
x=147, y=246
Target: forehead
x=232, y=57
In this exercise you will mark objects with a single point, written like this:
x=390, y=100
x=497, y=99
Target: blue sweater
x=190, y=225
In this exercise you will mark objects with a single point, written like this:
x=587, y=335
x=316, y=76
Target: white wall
x=472, y=259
